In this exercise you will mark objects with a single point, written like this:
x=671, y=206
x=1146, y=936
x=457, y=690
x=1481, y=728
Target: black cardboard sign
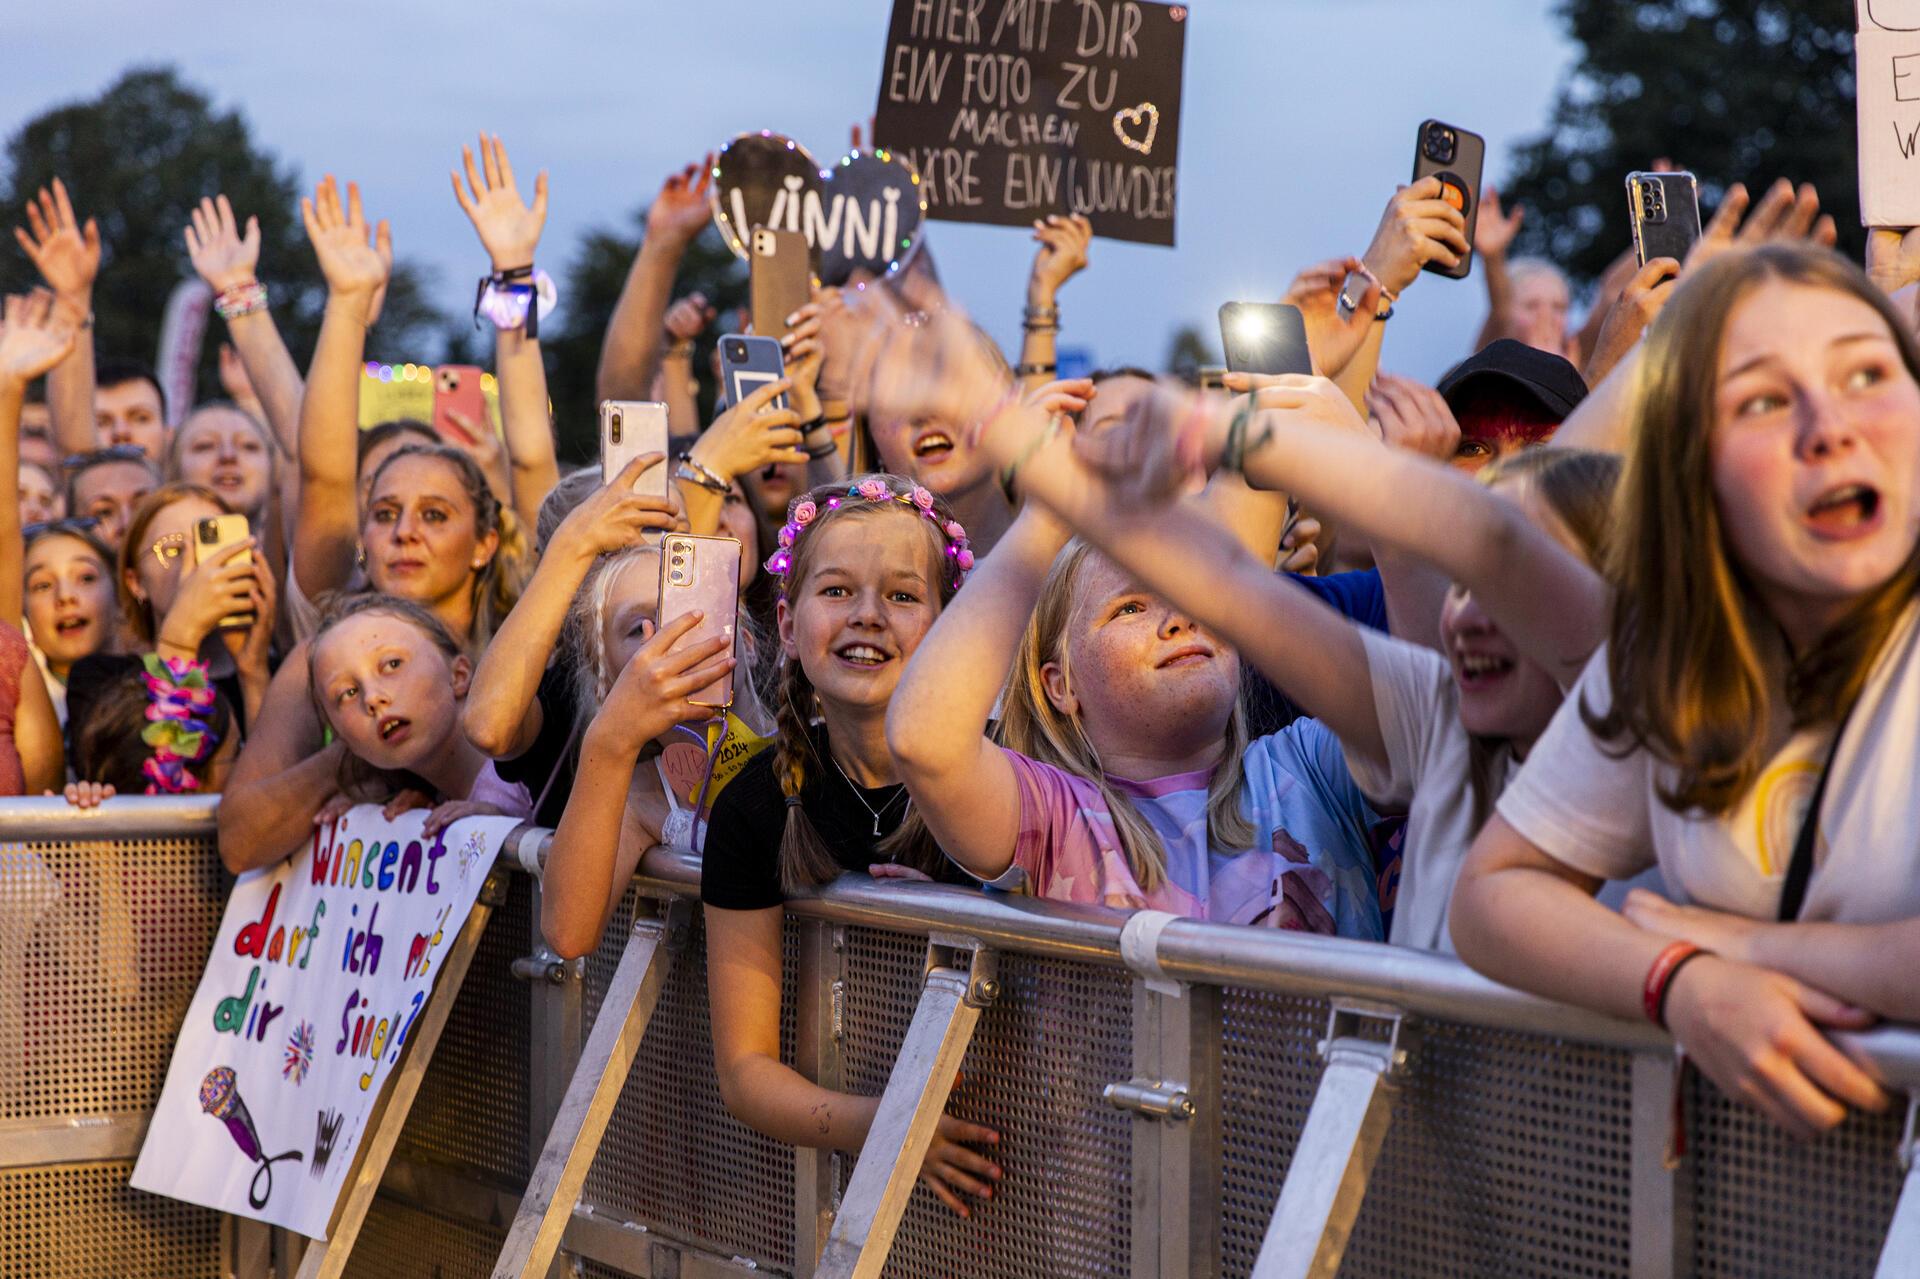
x=1014, y=109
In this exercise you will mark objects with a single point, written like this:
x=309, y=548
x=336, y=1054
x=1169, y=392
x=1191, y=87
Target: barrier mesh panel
x=101, y=948
x=471, y=1111
x=1767, y=1205
x=673, y=1157
x=1508, y=1154
x=1268, y=1071
x=84, y=1220
x=1041, y=1054
x=403, y=1242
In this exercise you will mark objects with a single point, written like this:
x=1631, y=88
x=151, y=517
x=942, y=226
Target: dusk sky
x=1298, y=119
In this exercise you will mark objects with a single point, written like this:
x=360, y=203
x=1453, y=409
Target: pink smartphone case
x=702, y=574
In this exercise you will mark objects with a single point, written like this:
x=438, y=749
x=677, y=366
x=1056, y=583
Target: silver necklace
x=862, y=799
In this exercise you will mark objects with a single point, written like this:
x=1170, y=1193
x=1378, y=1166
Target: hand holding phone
x=1664, y=210
x=780, y=278
x=212, y=536
x=702, y=575
x=457, y=389
x=748, y=363
x=1456, y=157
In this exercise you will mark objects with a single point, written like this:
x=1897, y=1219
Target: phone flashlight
x=1251, y=326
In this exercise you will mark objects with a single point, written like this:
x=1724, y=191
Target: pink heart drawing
x=1145, y=113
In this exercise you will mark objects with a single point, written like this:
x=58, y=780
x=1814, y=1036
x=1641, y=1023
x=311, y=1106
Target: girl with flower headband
x=864, y=568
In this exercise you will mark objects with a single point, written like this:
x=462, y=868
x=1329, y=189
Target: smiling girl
x=1749, y=725
x=864, y=568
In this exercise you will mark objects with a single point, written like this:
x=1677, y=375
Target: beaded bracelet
x=694, y=473
x=240, y=299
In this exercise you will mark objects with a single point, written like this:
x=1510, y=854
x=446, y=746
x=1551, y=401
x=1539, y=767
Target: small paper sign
x=1886, y=53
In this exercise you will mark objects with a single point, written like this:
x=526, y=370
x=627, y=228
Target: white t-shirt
x=1428, y=777
x=1604, y=816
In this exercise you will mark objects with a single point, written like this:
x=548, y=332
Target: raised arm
x=1063, y=240
x=227, y=260
x=685, y=321
x=748, y=436
x=67, y=256
x=502, y=715
x=356, y=260
x=1493, y=232
x=35, y=335
x=961, y=782
x=509, y=230
x=630, y=351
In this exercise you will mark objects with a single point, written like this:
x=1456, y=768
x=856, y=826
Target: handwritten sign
x=319, y=970
x=862, y=214
x=1014, y=109
x=1887, y=77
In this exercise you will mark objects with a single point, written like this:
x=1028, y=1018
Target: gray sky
x=1298, y=119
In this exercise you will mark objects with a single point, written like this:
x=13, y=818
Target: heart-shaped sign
x=874, y=204
x=686, y=767
x=863, y=214
x=761, y=179
x=1133, y=118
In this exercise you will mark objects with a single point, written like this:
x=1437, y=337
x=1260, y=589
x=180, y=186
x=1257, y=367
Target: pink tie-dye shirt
x=1310, y=849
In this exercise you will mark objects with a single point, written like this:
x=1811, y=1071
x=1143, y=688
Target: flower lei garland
x=873, y=489
x=179, y=698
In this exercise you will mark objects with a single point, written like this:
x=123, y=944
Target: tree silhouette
x=1733, y=92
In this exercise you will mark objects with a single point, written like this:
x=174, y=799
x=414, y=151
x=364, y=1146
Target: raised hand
x=1893, y=258
x=355, y=259
x=1063, y=241
x=680, y=212
x=805, y=352
x=752, y=434
x=1332, y=341
x=1156, y=452
x=66, y=254
x=221, y=255
x=1782, y=214
x=509, y=229
x=688, y=318
x=32, y=339
x=925, y=364
x=613, y=517
x=1629, y=317
x=1418, y=227
x=1413, y=416
x=1068, y=396
x=1493, y=230
x=221, y=587
x=252, y=646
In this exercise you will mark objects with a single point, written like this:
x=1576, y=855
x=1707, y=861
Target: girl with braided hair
x=864, y=567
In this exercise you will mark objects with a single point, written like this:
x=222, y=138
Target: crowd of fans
x=1344, y=653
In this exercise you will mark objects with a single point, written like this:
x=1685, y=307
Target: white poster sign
x=1886, y=65
x=318, y=973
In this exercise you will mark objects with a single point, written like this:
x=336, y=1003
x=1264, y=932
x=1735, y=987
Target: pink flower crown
x=872, y=489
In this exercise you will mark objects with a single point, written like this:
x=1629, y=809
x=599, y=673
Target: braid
x=805, y=861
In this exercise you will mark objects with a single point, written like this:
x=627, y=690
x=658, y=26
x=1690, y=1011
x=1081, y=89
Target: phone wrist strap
x=1387, y=295
x=695, y=473
x=515, y=298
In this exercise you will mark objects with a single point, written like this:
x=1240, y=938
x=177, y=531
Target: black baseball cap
x=1547, y=379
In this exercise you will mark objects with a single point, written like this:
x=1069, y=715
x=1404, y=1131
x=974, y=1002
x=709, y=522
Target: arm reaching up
x=67, y=255
x=630, y=351
x=509, y=230
x=34, y=336
x=227, y=260
x=1062, y=255
x=356, y=260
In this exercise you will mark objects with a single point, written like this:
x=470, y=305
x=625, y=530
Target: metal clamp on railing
x=543, y=965
x=1327, y=1180
x=944, y=950
x=1150, y=1098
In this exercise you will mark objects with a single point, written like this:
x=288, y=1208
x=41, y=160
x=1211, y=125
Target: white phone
x=629, y=428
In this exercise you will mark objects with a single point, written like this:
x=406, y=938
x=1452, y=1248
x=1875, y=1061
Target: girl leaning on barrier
x=1750, y=724
x=864, y=567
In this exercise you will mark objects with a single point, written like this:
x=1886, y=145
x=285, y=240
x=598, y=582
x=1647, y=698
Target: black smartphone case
x=1680, y=231
x=1470, y=156
x=1282, y=348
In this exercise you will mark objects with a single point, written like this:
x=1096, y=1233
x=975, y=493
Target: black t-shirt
x=552, y=748
x=740, y=864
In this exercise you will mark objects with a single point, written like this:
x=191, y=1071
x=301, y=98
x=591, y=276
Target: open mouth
x=228, y=479
x=393, y=728
x=933, y=446
x=865, y=656
x=1844, y=512
x=1191, y=655
x=71, y=625
x=1477, y=670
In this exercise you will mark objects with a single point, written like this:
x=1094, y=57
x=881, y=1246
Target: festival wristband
x=515, y=298
x=1666, y=966
x=695, y=473
x=240, y=299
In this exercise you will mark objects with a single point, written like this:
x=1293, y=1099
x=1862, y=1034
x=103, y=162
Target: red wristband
x=1653, y=993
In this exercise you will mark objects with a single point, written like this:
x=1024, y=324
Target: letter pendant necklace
x=862, y=799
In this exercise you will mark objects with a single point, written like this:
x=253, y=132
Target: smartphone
x=780, y=277
x=702, y=574
x=749, y=363
x=457, y=389
x=1264, y=337
x=1665, y=211
x=1456, y=157
x=629, y=428
x=210, y=537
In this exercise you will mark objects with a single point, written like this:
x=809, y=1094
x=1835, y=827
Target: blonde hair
x=1031, y=724
x=805, y=860
x=1690, y=683
x=356, y=777
x=137, y=610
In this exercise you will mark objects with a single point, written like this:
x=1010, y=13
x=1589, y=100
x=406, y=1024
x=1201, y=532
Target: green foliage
x=1733, y=92
x=591, y=288
x=138, y=158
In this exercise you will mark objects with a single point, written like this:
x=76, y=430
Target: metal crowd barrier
x=1207, y=1101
